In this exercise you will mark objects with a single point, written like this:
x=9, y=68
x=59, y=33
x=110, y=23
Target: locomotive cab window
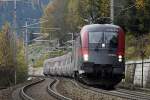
x=111, y=39
x=95, y=37
x=108, y=38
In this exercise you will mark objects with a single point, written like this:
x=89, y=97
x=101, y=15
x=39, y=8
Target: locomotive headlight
x=86, y=57
x=103, y=45
x=120, y=58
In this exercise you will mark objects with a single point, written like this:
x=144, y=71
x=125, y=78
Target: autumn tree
x=71, y=15
x=6, y=47
x=7, y=63
x=95, y=11
x=22, y=67
x=12, y=58
x=54, y=13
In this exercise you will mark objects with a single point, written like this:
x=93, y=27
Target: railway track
x=23, y=93
x=52, y=91
x=136, y=94
x=51, y=88
x=26, y=92
x=121, y=93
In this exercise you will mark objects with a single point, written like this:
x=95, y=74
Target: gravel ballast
x=39, y=91
x=69, y=89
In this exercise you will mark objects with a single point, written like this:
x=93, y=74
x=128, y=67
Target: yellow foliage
x=72, y=16
x=6, y=47
x=104, y=4
x=140, y=4
x=51, y=7
x=54, y=13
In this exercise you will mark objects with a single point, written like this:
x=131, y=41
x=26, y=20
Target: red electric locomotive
x=99, y=55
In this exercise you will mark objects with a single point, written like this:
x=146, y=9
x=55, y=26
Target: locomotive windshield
x=109, y=38
x=96, y=37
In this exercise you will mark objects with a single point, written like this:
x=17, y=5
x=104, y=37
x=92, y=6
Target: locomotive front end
x=102, y=53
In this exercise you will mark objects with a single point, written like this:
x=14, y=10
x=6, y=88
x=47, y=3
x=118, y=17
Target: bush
x=7, y=76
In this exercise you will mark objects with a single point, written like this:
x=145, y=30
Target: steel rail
x=138, y=94
x=23, y=95
x=125, y=94
x=51, y=90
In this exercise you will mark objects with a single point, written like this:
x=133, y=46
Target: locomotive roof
x=98, y=27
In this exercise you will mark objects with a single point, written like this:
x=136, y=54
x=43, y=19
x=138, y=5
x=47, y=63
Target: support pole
x=142, y=71
x=112, y=11
x=15, y=38
x=142, y=57
x=26, y=42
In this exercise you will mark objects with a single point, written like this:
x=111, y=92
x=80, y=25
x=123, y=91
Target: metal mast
x=112, y=11
x=15, y=38
x=26, y=41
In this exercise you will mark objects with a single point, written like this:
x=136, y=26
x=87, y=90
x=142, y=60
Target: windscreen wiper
x=98, y=45
x=100, y=42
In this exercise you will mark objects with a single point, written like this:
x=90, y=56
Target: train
x=97, y=57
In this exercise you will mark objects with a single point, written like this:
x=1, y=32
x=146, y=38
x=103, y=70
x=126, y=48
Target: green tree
x=135, y=18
